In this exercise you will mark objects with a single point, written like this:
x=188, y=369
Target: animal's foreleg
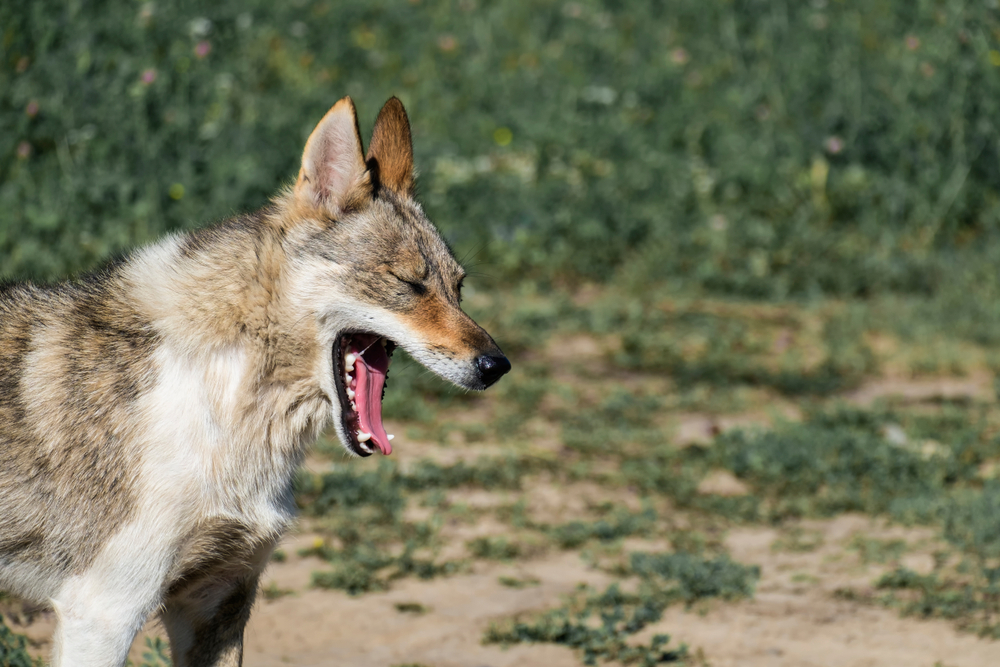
x=95, y=627
x=206, y=625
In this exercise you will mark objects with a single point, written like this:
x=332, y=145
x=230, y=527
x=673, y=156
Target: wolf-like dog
x=153, y=414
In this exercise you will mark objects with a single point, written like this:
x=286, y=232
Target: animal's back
x=73, y=359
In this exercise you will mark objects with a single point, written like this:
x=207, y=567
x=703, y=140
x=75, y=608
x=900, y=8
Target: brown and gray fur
x=152, y=415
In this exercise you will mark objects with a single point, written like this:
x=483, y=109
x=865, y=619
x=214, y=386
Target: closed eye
x=418, y=288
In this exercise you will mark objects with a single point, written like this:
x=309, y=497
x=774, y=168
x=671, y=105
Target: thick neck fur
x=222, y=298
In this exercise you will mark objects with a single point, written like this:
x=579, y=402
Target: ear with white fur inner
x=392, y=148
x=332, y=164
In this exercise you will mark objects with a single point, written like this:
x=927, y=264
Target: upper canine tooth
x=350, y=359
x=390, y=436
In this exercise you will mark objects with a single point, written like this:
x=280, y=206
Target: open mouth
x=361, y=362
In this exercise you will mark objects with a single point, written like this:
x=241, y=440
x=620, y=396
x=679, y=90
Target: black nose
x=492, y=368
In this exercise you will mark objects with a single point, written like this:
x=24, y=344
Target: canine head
x=375, y=273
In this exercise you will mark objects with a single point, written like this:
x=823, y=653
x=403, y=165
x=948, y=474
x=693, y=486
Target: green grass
x=741, y=148
x=371, y=543
x=156, y=654
x=665, y=579
x=14, y=649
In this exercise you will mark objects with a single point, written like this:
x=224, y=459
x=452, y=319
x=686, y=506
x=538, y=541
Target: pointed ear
x=392, y=148
x=333, y=171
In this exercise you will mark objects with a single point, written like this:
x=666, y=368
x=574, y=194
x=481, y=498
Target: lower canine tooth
x=364, y=437
x=365, y=448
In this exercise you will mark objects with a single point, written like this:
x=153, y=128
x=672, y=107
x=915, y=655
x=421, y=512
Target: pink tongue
x=369, y=373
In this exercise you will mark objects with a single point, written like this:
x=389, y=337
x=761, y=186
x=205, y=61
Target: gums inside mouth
x=362, y=368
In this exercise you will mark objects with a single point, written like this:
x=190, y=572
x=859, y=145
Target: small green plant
x=665, y=579
x=493, y=548
x=515, y=582
x=875, y=550
x=157, y=653
x=619, y=524
x=14, y=649
x=411, y=608
x=275, y=592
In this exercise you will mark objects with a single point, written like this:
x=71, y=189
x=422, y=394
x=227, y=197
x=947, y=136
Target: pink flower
x=912, y=42
x=31, y=109
x=447, y=43
x=23, y=150
x=149, y=76
x=679, y=56
x=833, y=145
x=203, y=48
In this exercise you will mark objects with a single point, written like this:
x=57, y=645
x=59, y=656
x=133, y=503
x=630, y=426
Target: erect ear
x=392, y=148
x=333, y=170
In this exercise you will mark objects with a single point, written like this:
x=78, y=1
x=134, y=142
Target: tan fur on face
x=445, y=327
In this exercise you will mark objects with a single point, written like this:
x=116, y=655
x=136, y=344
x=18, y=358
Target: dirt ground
x=794, y=620
x=797, y=618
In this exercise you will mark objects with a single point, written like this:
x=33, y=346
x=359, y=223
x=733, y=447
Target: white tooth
x=390, y=436
x=349, y=369
x=364, y=437
x=354, y=406
x=350, y=359
x=348, y=379
x=350, y=393
x=365, y=448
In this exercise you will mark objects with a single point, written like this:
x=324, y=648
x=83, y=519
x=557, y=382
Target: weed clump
x=622, y=417
x=664, y=580
x=494, y=548
x=157, y=653
x=14, y=649
x=971, y=594
x=696, y=577
x=372, y=544
x=620, y=524
x=846, y=459
x=805, y=470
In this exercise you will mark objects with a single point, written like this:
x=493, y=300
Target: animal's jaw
x=360, y=370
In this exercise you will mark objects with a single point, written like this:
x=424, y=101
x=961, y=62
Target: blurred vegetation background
x=748, y=147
